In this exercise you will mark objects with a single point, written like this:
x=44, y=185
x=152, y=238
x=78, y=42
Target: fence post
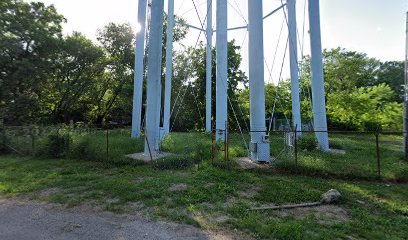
x=296, y=152
x=32, y=139
x=3, y=137
x=226, y=142
x=212, y=146
x=107, y=143
x=377, y=144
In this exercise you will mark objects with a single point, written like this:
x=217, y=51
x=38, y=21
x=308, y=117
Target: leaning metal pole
x=154, y=77
x=316, y=65
x=260, y=152
x=405, y=124
x=169, y=66
x=139, y=70
x=208, y=68
x=294, y=67
x=222, y=74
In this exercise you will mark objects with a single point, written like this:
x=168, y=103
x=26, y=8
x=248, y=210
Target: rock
x=330, y=197
x=361, y=202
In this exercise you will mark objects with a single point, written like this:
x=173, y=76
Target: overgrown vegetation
x=357, y=159
x=214, y=198
x=48, y=78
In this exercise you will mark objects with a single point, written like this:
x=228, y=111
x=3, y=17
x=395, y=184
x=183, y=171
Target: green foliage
x=368, y=108
x=362, y=93
x=56, y=146
x=46, y=77
x=307, y=142
x=28, y=40
x=214, y=198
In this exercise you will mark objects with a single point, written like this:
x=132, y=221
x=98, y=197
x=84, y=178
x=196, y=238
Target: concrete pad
x=146, y=158
x=337, y=151
x=247, y=164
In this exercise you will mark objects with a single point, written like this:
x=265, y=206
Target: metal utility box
x=263, y=152
x=253, y=147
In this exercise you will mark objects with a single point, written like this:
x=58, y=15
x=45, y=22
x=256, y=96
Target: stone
x=330, y=197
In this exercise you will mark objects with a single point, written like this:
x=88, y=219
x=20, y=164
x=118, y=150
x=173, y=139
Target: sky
x=375, y=27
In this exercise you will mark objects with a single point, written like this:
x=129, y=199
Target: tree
x=365, y=108
x=118, y=42
x=392, y=74
x=29, y=34
x=344, y=70
x=193, y=70
x=69, y=92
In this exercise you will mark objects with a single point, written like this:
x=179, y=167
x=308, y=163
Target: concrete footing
x=247, y=164
x=146, y=158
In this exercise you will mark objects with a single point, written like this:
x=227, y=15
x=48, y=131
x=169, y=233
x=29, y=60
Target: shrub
x=308, y=143
x=56, y=145
x=81, y=149
x=372, y=126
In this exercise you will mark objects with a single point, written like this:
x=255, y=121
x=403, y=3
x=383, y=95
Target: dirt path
x=29, y=220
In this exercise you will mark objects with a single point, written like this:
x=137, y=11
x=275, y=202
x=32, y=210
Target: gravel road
x=31, y=220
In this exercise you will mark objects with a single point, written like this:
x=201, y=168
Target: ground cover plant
x=358, y=159
x=213, y=198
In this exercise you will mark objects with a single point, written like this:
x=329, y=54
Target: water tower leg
x=169, y=67
x=294, y=67
x=316, y=65
x=208, y=68
x=154, y=77
x=260, y=149
x=139, y=69
x=222, y=74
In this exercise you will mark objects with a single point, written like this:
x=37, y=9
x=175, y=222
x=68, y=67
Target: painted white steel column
x=139, y=69
x=294, y=67
x=316, y=65
x=405, y=111
x=256, y=83
x=169, y=66
x=208, y=68
x=222, y=74
x=154, y=78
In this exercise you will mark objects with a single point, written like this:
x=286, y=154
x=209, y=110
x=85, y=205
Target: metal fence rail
x=353, y=154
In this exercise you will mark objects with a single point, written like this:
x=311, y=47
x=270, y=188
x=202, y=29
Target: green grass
x=374, y=210
x=358, y=162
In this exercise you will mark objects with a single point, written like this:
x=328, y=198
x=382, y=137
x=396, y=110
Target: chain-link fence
x=359, y=155
x=103, y=143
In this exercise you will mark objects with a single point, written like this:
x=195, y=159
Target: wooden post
x=107, y=143
x=296, y=152
x=378, y=154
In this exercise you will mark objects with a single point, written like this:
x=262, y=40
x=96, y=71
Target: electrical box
x=265, y=139
x=263, y=152
x=252, y=147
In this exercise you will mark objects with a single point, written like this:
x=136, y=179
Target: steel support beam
x=154, y=78
x=316, y=65
x=169, y=66
x=405, y=117
x=261, y=151
x=139, y=70
x=208, y=80
x=294, y=67
x=222, y=72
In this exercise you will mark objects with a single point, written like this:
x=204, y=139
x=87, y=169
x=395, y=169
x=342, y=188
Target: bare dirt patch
x=250, y=192
x=48, y=192
x=177, y=187
x=326, y=214
x=31, y=220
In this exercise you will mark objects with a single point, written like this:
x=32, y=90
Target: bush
x=308, y=143
x=372, y=126
x=56, y=145
x=81, y=149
